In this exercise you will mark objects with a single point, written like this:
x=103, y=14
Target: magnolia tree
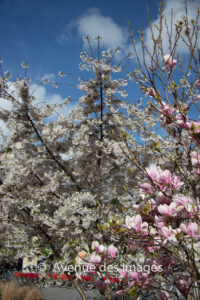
x=162, y=230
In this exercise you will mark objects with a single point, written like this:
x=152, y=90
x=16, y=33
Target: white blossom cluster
x=62, y=180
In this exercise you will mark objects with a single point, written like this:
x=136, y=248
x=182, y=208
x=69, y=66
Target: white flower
x=24, y=65
x=45, y=81
x=61, y=74
x=94, y=258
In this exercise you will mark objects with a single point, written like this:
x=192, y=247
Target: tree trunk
x=108, y=295
x=79, y=290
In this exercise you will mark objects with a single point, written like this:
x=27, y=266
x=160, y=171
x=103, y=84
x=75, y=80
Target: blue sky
x=47, y=34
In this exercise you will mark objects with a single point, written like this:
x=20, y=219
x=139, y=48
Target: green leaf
x=115, y=201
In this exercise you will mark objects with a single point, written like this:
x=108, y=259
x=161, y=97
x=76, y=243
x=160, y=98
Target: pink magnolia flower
x=189, y=125
x=122, y=272
x=176, y=183
x=147, y=188
x=190, y=229
x=134, y=275
x=150, y=249
x=197, y=83
x=152, y=203
x=167, y=210
x=95, y=246
x=112, y=251
x=181, y=121
x=195, y=159
x=181, y=200
x=134, y=222
x=164, y=178
x=153, y=172
x=151, y=92
x=169, y=234
x=166, y=232
x=153, y=247
x=94, y=258
x=169, y=61
x=166, y=109
x=160, y=221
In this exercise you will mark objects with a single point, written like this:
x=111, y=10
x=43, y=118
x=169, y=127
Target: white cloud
x=94, y=24
x=41, y=95
x=178, y=8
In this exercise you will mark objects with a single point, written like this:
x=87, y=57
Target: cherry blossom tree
x=61, y=179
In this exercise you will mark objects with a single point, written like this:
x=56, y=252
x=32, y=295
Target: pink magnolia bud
x=95, y=246
x=169, y=61
x=151, y=92
x=112, y=251
x=197, y=83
